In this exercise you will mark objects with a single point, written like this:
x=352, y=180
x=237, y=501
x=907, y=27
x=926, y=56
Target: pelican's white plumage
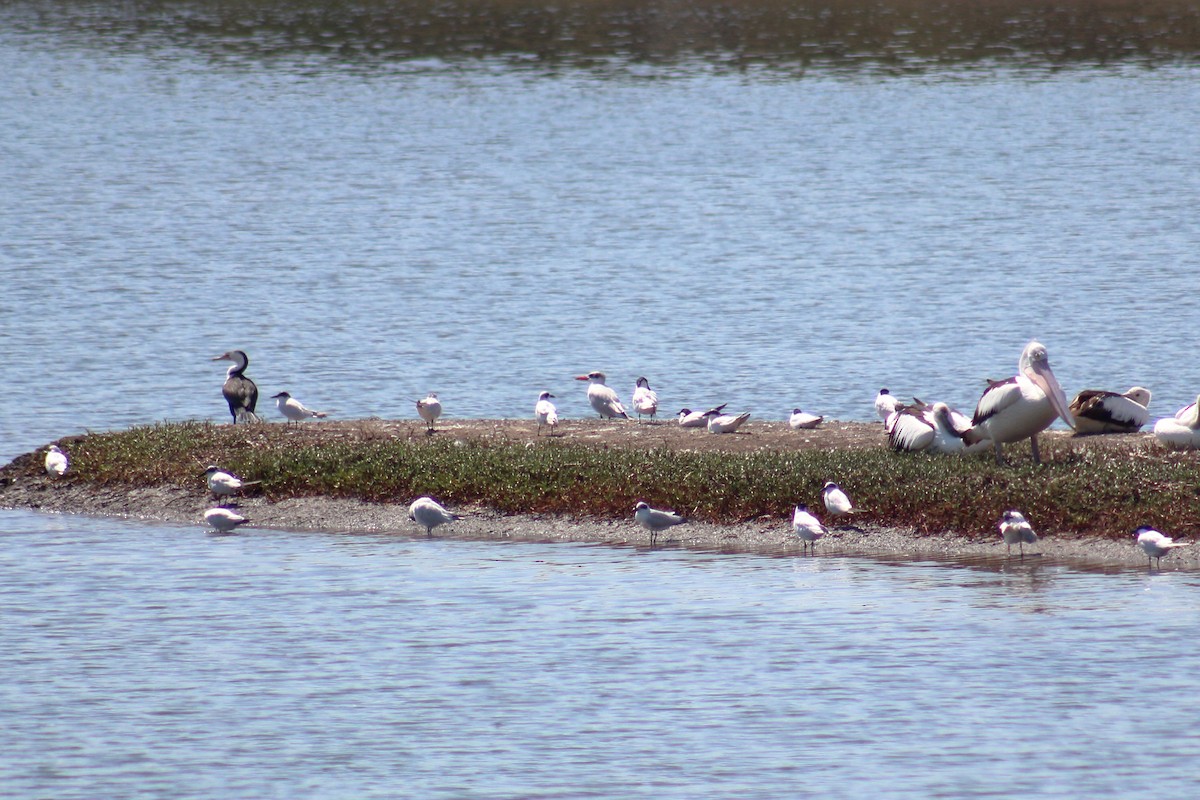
x=1154, y=544
x=697, y=419
x=885, y=404
x=645, y=399
x=806, y=527
x=224, y=520
x=603, y=400
x=837, y=502
x=1098, y=411
x=799, y=420
x=933, y=428
x=1181, y=431
x=1015, y=529
x=1022, y=406
x=293, y=409
x=655, y=520
x=725, y=423
x=428, y=513
x=429, y=409
x=545, y=413
x=56, y=462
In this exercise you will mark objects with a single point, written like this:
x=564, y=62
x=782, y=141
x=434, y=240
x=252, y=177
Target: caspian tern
x=645, y=399
x=1155, y=545
x=56, y=461
x=1098, y=411
x=1015, y=529
x=725, y=423
x=1022, y=406
x=799, y=420
x=655, y=520
x=224, y=520
x=545, y=413
x=293, y=410
x=807, y=527
x=240, y=392
x=697, y=419
x=427, y=512
x=603, y=399
x=429, y=409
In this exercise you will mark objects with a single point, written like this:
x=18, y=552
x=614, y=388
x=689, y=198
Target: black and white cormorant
x=240, y=392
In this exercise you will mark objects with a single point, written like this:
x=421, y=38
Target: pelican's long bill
x=1038, y=370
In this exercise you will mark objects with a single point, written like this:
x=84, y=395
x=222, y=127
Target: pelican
x=225, y=484
x=240, y=392
x=1015, y=529
x=545, y=413
x=429, y=409
x=807, y=527
x=293, y=409
x=837, y=502
x=654, y=520
x=645, y=399
x=1097, y=411
x=603, y=399
x=427, y=512
x=802, y=421
x=1155, y=545
x=1022, y=406
x=1181, y=431
x=223, y=520
x=885, y=404
x=697, y=419
x=724, y=423
x=56, y=462
x=936, y=428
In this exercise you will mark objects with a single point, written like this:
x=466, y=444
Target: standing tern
x=225, y=484
x=655, y=520
x=223, y=520
x=1015, y=529
x=697, y=419
x=429, y=409
x=885, y=404
x=725, y=423
x=545, y=413
x=240, y=392
x=293, y=409
x=645, y=399
x=799, y=420
x=1022, y=406
x=837, y=502
x=603, y=399
x=1098, y=411
x=56, y=462
x=807, y=527
x=427, y=512
x=1155, y=545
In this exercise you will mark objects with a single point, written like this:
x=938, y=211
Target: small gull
x=429, y=409
x=546, y=413
x=655, y=520
x=427, y=512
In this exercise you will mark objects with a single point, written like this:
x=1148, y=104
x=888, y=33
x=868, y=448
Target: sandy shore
x=767, y=536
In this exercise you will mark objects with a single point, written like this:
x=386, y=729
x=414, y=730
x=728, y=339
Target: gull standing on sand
x=603, y=399
x=1154, y=544
x=725, y=423
x=225, y=484
x=655, y=520
x=224, y=520
x=1015, y=529
x=799, y=420
x=239, y=391
x=837, y=502
x=293, y=409
x=429, y=513
x=56, y=462
x=697, y=419
x=545, y=413
x=645, y=399
x=429, y=409
x=885, y=404
x=807, y=527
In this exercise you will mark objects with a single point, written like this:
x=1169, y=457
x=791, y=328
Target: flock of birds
x=1010, y=410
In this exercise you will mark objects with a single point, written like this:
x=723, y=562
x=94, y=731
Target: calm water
x=165, y=661
x=794, y=206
